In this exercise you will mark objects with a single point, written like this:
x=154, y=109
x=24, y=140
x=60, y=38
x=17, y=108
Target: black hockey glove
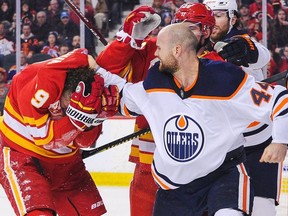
x=239, y=50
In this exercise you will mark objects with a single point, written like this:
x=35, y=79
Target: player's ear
x=234, y=20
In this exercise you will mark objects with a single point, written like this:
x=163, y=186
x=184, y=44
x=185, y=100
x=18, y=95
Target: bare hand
x=274, y=153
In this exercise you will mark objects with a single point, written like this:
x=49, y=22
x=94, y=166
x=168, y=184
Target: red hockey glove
x=137, y=25
x=83, y=109
x=142, y=122
x=110, y=101
x=239, y=50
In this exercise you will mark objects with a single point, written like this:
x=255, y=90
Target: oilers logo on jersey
x=183, y=138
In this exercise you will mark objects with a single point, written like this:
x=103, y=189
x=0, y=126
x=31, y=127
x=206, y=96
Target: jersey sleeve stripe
x=279, y=107
x=13, y=181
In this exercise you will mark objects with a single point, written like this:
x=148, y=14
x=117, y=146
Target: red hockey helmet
x=196, y=13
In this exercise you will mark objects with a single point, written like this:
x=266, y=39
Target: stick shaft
x=88, y=153
x=81, y=16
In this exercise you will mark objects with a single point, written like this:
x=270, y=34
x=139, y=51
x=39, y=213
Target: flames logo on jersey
x=183, y=138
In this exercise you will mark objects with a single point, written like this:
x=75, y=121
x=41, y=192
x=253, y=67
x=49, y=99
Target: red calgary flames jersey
x=32, y=114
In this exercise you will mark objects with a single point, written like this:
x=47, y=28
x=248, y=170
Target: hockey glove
x=142, y=122
x=83, y=109
x=239, y=50
x=110, y=101
x=137, y=25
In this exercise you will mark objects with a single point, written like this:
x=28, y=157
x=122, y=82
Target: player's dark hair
x=75, y=75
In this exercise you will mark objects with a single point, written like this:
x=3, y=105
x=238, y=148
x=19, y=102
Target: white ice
x=116, y=200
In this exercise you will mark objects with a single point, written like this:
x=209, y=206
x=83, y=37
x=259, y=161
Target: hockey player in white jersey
x=257, y=135
x=197, y=111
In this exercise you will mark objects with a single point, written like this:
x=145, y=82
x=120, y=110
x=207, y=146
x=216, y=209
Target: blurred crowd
x=250, y=19
x=50, y=29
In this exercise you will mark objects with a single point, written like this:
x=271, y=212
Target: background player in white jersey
x=265, y=177
x=197, y=110
x=49, y=115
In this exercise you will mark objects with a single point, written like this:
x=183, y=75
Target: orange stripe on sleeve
x=282, y=104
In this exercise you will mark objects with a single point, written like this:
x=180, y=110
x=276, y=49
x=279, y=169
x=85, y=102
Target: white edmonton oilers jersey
x=258, y=133
x=195, y=128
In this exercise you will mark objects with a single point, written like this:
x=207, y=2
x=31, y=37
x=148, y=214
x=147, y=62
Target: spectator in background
x=76, y=42
x=51, y=48
x=6, y=46
x=53, y=13
x=256, y=8
x=279, y=31
x=174, y=5
x=63, y=49
x=11, y=33
x=4, y=88
x=157, y=6
x=89, y=14
x=88, y=11
x=101, y=16
x=166, y=18
x=66, y=28
x=27, y=13
x=29, y=43
x=13, y=70
x=41, y=28
x=6, y=12
x=38, y=5
x=272, y=67
x=245, y=17
x=283, y=64
x=115, y=12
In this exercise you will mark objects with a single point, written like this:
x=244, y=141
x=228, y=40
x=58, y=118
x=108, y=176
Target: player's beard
x=218, y=33
x=169, y=66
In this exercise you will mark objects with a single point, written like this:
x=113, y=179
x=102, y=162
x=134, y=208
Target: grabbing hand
x=239, y=50
x=137, y=25
x=274, y=153
x=110, y=101
x=83, y=109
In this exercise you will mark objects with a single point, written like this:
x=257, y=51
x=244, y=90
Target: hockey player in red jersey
x=132, y=61
x=53, y=109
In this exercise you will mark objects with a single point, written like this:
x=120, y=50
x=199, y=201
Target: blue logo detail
x=183, y=138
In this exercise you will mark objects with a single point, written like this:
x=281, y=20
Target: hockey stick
x=88, y=153
x=275, y=77
x=81, y=16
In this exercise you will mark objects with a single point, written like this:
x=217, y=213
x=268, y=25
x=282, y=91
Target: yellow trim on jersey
x=32, y=123
x=81, y=105
x=147, y=137
x=127, y=72
x=25, y=119
x=13, y=181
x=111, y=178
x=25, y=143
x=145, y=157
x=10, y=109
x=134, y=151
